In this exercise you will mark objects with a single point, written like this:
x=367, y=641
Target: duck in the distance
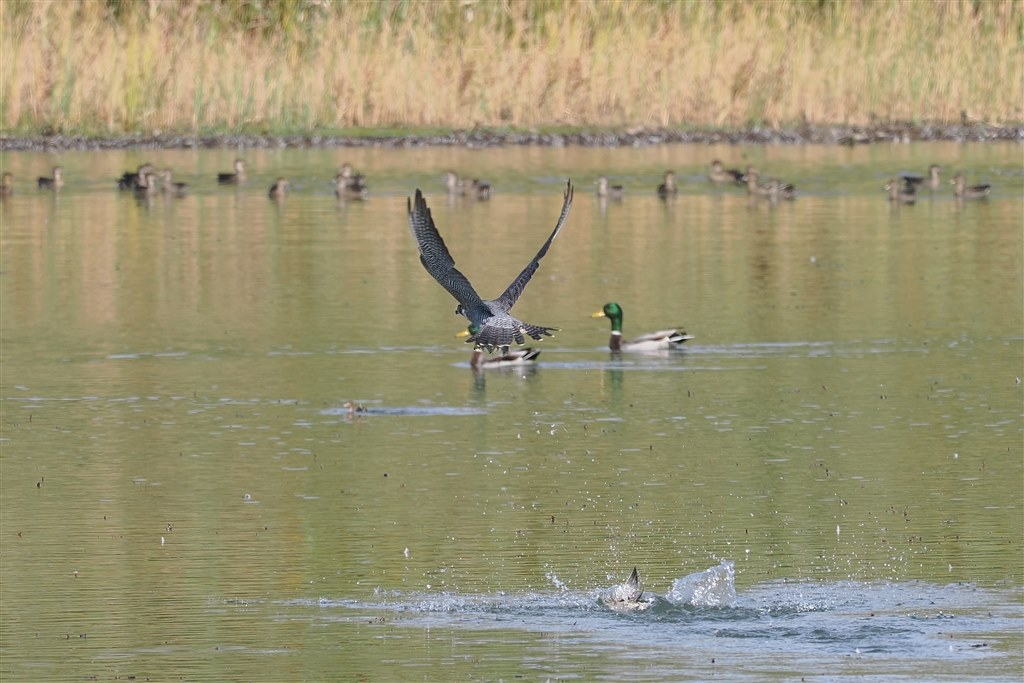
x=668, y=186
x=233, y=178
x=962, y=191
x=279, y=190
x=930, y=181
x=54, y=183
x=721, y=174
x=606, y=191
x=900, y=193
x=652, y=341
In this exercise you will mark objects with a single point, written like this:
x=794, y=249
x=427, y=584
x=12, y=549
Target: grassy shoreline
x=277, y=67
x=555, y=137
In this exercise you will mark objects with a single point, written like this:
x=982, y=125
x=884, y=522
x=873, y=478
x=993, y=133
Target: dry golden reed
x=305, y=65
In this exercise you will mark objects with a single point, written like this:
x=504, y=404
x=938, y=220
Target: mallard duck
x=653, y=341
x=129, y=179
x=514, y=358
x=474, y=189
x=350, y=185
x=145, y=185
x=720, y=174
x=7, y=185
x=168, y=186
x=480, y=189
x=54, y=183
x=781, y=190
x=754, y=186
x=279, y=190
x=233, y=178
x=962, y=191
x=773, y=189
x=354, y=408
x=931, y=181
x=497, y=326
x=607, y=191
x=627, y=596
x=901, y=194
x=454, y=183
x=668, y=187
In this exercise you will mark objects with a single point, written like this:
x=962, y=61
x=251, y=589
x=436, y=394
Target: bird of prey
x=497, y=327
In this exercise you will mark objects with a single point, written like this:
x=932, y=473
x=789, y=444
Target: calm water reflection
x=183, y=494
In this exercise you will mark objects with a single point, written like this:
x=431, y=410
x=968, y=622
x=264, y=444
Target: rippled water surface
x=187, y=493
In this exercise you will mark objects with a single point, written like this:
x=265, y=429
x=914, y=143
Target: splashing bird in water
x=626, y=597
x=498, y=328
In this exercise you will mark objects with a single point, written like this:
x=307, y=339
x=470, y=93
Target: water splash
x=713, y=587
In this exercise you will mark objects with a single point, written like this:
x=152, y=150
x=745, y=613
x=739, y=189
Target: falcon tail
x=490, y=337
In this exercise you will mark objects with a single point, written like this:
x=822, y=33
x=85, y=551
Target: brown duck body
x=279, y=190
x=720, y=174
x=129, y=180
x=54, y=183
x=608, y=191
x=963, y=191
x=473, y=189
x=168, y=186
x=900, y=194
x=233, y=178
x=930, y=181
x=350, y=185
x=668, y=186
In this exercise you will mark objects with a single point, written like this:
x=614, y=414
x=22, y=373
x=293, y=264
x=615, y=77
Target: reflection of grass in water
x=290, y=66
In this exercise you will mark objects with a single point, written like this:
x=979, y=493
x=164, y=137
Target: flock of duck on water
x=491, y=325
x=902, y=189
x=348, y=184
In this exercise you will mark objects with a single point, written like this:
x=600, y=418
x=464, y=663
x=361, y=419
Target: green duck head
x=471, y=331
x=613, y=312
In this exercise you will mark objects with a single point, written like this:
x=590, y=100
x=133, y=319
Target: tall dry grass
x=298, y=65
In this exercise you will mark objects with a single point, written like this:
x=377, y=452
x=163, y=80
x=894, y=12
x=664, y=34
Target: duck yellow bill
x=599, y=314
x=464, y=333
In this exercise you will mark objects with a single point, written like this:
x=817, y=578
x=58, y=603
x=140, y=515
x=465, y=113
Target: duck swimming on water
x=962, y=191
x=54, y=183
x=721, y=174
x=652, y=341
x=606, y=191
x=233, y=178
x=668, y=187
x=350, y=185
x=129, y=180
x=900, y=194
x=279, y=190
x=497, y=327
x=931, y=181
x=474, y=189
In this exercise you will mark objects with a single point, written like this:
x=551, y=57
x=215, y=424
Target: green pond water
x=185, y=496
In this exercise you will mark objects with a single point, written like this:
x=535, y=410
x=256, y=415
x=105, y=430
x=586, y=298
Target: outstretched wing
x=511, y=295
x=435, y=257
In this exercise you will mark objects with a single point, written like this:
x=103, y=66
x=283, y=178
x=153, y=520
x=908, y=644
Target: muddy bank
x=815, y=135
